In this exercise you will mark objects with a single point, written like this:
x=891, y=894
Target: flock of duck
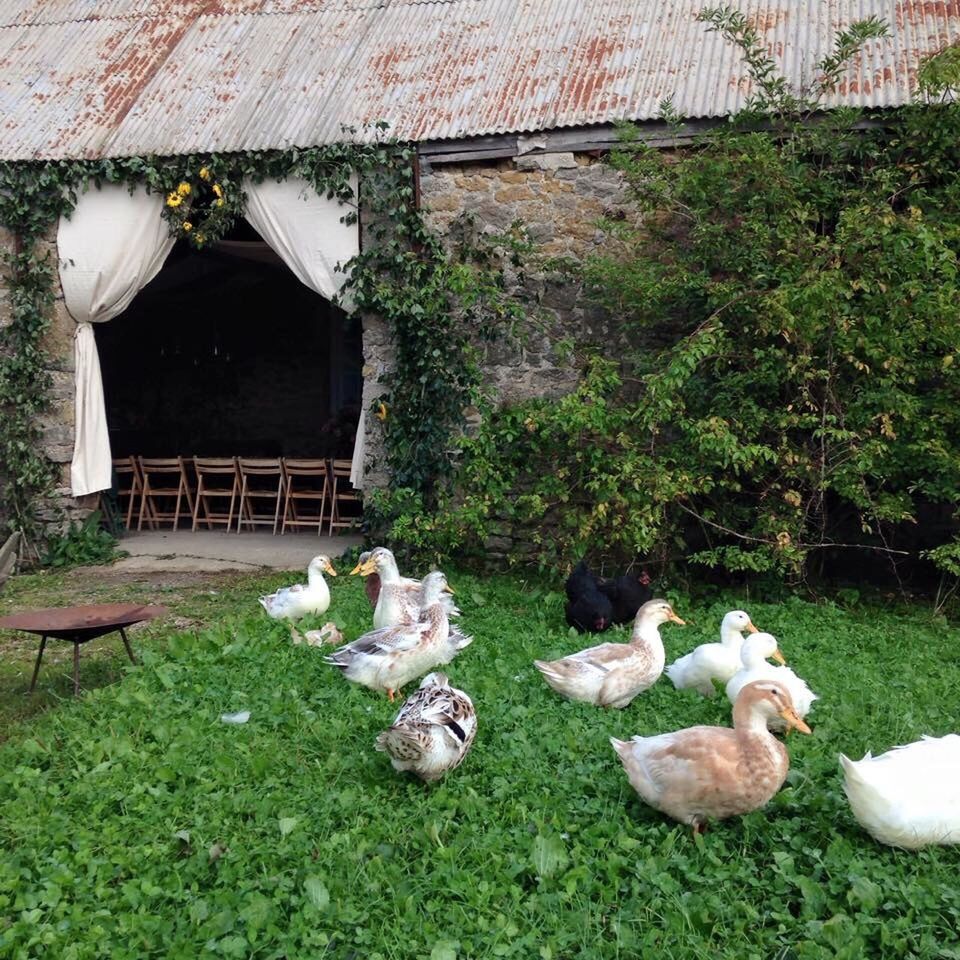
x=908, y=797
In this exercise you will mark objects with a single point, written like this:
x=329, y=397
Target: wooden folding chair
x=129, y=484
x=209, y=471
x=342, y=491
x=259, y=490
x=155, y=472
x=297, y=477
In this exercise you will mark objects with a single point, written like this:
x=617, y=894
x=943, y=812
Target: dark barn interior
x=226, y=353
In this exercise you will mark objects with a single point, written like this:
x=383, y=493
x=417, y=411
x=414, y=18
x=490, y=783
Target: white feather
x=909, y=796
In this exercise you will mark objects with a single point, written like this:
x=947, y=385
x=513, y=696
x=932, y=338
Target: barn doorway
x=226, y=353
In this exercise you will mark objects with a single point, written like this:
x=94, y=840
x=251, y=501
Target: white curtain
x=305, y=229
x=359, y=451
x=113, y=244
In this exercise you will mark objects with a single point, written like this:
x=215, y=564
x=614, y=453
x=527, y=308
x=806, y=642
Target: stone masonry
x=57, y=423
x=559, y=197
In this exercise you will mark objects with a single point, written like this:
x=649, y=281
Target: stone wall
x=57, y=423
x=559, y=197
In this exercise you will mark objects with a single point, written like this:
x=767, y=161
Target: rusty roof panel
x=38, y=12
x=120, y=77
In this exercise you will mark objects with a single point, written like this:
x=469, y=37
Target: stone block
x=556, y=186
x=447, y=201
x=57, y=452
x=514, y=193
x=62, y=387
x=547, y=161
x=542, y=231
x=495, y=214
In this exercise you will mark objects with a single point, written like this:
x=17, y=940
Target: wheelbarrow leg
x=76, y=669
x=126, y=643
x=36, y=669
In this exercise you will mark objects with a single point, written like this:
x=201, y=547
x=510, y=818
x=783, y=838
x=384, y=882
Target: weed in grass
x=136, y=824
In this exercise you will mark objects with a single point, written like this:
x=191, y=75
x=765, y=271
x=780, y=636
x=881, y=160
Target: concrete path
x=211, y=551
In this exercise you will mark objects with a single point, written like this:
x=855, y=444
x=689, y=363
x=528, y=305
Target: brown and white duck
x=390, y=657
x=710, y=773
x=395, y=599
x=612, y=674
x=433, y=731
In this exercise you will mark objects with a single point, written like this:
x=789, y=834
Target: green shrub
x=83, y=544
x=791, y=392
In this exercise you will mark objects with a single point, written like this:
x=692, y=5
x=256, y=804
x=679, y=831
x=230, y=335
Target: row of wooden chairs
x=237, y=491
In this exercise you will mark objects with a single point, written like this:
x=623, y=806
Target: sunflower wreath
x=201, y=209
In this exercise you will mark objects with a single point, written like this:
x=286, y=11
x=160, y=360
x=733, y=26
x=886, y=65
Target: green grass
x=135, y=824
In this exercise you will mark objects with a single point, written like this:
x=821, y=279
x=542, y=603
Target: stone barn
x=239, y=349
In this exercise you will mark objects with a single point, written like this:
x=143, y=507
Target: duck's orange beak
x=778, y=656
x=793, y=721
x=675, y=619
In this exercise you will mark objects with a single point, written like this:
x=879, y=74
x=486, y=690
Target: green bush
x=82, y=545
x=790, y=391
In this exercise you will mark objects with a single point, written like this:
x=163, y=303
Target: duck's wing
x=605, y=656
x=595, y=663
x=381, y=642
x=276, y=603
x=282, y=593
x=437, y=702
x=457, y=638
x=435, y=706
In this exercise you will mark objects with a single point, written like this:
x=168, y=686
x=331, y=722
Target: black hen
x=588, y=609
x=627, y=594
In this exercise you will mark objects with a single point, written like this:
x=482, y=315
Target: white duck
x=709, y=773
x=754, y=655
x=399, y=599
x=697, y=669
x=612, y=674
x=292, y=603
x=390, y=657
x=433, y=730
x=909, y=796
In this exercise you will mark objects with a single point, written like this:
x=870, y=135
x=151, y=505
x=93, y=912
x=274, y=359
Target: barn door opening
x=225, y=353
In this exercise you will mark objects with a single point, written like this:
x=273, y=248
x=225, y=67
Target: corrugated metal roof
x=87, y=78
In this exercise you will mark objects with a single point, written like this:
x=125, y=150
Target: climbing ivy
x=434, y=301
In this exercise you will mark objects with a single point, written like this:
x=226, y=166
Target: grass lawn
x=135, y=824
